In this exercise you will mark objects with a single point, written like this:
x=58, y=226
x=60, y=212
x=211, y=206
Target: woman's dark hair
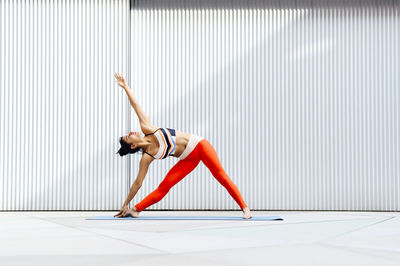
x=126, y=148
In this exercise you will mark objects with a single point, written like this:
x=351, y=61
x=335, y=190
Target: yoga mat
x=234, y=218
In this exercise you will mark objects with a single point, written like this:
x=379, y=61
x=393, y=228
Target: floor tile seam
x=161, y=252
x=361, y=247
x=357, y=250
x=105, y=236
x=357, y=229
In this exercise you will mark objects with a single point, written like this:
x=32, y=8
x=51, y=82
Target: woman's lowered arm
x=143, y=168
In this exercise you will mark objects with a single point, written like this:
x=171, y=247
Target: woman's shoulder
x=147, y=129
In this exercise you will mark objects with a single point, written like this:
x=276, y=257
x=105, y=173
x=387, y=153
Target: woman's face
x=132, y=138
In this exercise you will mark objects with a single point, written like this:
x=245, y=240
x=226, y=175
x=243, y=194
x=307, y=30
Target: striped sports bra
x=167, y=139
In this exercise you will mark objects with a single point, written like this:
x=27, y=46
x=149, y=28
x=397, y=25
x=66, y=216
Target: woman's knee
x=163, y=188
x=219, y=174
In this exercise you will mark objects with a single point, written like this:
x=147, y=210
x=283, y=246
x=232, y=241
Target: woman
x=159, y=143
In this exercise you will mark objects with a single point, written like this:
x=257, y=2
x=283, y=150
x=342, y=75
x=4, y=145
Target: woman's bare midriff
x=182, y=139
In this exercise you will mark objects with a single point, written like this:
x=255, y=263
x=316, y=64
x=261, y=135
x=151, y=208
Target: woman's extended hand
x=125, y=212
x=120, y=80
x=122, y=212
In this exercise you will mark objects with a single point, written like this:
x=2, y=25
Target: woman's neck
x=145, y=144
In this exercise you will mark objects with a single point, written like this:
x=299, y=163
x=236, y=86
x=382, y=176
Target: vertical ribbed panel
x=300, y=100
x=60, y=110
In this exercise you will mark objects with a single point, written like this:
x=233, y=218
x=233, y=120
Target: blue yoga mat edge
x=254, y=218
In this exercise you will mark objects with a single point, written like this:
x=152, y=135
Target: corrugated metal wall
x=60, y=110
x=299, y=98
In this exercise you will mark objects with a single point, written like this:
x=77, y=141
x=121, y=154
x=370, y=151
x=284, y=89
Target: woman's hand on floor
x=125, y=212
x=122, y=212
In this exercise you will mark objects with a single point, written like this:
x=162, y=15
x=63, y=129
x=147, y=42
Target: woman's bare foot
x=246, y=213
x=132, y=212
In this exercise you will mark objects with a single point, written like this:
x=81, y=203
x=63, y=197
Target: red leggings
x=205, y=152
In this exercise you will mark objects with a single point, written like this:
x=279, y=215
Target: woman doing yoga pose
x=159, y=143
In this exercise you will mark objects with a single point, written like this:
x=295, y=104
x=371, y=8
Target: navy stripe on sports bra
x=169, y=147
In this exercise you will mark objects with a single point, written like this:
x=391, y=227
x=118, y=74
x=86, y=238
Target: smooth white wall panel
x=299, y=98
x=60, y=110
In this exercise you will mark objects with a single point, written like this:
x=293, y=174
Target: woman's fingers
x=120, y=79
x=124, y=213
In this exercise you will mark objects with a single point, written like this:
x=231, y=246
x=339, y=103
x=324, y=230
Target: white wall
x=60, y=111
x=300, y=100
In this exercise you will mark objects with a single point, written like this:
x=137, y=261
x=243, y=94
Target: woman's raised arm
x=144, y=120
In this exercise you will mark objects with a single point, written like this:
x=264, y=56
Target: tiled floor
x=303, y=238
